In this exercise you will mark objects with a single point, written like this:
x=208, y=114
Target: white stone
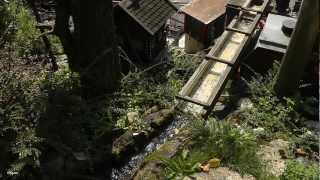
x=132, y=116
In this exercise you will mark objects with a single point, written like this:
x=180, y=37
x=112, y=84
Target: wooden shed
x=204, y=21
x=176, y=21
x=140, y=26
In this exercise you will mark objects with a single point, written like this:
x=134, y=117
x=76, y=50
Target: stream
x=132, y=165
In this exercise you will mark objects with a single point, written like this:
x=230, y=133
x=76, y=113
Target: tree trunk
x=299, y=50
x=97, y=48
x=91, y=47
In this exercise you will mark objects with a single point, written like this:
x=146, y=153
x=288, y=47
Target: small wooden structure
x=140, y=26
x=234, y=7
x=231, y=11
x=176, y=21
x=204, y=21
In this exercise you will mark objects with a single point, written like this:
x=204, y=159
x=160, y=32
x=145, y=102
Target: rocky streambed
x=132, y=148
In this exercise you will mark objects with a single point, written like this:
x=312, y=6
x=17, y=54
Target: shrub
x=24, y=34
x=277, y=116
x=20, y=107
x=4, y=18
x=21, y=101
x=55, y=44
x=298, y=171
x=270, y=113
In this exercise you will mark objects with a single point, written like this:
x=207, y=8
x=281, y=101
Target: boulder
x=132, y=117
x=153, y=109
x=160, y=118
x=244, y=103
x=121, y=144
x=152, y=168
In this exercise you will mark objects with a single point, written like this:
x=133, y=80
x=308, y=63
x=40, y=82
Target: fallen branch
x=45, y=25
x=45, y=33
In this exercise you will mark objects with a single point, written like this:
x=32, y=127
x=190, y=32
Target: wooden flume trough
x=208, y=81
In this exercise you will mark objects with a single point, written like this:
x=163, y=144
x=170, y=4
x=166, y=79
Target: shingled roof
x=150, y=14
x=206, y=11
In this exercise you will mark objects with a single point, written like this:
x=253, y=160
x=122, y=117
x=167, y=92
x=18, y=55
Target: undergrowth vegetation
x=279, y=118
x=236, y=141
x=157, y=85
x=21, y=100
x=20, y=106
x=235, y=147
x=41, y=110
x=296, y=171
x=20, y=29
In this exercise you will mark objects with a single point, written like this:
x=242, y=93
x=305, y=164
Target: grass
x=184, y=164
x=234, y=146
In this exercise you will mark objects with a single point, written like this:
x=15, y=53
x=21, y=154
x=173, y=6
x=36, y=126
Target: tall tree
x=86, y=30
x=299, y=50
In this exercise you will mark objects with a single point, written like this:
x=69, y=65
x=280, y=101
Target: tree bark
x=299, y=50
x=62, y=30
x=97, y=48
x=90, y=44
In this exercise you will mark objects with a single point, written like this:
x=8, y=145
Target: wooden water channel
x=208, y=81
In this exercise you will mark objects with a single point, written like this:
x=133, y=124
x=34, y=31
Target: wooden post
x=299, y=49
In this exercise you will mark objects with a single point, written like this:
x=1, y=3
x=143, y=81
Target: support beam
x=237, y=31
x=194, y=101
x=210, y=57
